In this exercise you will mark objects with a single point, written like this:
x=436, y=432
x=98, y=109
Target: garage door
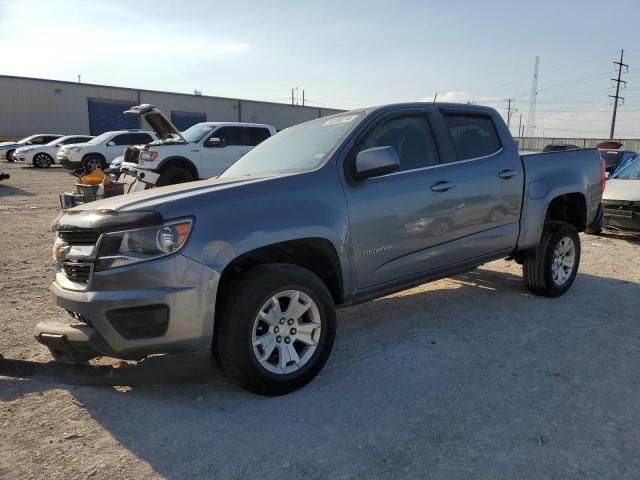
x=106, y=115
x=183, y=120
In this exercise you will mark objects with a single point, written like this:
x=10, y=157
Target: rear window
x=473, y=135
x=257, y=135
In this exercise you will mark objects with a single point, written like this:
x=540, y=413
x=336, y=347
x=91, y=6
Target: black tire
x=173, y=176
x=598, y=224
x=42, y=160
x=538, y=264
x=10, y=158
x=240, y=305
x=90, y=162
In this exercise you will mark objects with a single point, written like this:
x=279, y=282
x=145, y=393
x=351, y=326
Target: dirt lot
x=469, y=377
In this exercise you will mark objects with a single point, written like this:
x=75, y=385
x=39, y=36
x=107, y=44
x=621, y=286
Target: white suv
x=43, y=156
x=202, y=151
x=99, y=151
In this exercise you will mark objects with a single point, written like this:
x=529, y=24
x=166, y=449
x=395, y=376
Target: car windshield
x=196, y=132
x=296, y=149
x=100, y=138
x=630, y=171
x=27, y=139
x=57, y=141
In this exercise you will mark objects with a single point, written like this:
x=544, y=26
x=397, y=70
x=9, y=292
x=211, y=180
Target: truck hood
x=157, y=120
x=617, y=189
x=152, y=199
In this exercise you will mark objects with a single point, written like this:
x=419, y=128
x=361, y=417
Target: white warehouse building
x=34, y=105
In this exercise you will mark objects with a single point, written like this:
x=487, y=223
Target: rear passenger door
x=486, y=182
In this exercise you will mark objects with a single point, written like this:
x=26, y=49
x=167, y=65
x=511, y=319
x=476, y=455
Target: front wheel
x=173, y=176
x=42, y=160
x=10, y=156
x=275, y=329
x=552, y=267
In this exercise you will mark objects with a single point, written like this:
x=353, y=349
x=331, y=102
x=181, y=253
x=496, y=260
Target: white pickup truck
x=204, y=150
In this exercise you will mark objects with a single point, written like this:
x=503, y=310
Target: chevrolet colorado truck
x=204, y=150
x=340, y=210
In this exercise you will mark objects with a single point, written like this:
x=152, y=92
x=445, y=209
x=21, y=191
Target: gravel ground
x=468, y=377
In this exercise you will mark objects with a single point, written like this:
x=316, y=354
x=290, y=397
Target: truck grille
x=131, y=155
x=77, y=272
x=80, y=237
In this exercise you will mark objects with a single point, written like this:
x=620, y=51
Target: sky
x=345, y=54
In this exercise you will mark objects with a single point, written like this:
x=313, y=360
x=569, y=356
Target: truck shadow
x=422, y=363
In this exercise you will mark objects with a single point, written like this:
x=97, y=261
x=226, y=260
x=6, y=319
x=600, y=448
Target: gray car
x=326, y=214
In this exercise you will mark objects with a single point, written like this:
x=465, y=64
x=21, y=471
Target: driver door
x=216, y=158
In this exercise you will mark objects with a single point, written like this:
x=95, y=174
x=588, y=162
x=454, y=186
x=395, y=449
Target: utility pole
x=79, y=78
x=617, y=96
x=303, y=97
x=510, y=111
x=292, y=98
x=520, y=126
x=435, y=97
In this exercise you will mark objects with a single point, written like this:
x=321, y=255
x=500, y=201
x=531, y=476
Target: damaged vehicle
x=621, y=198
x=204, y=150
x=252, y=265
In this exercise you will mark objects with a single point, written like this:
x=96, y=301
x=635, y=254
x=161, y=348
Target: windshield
x=57, y=141
x=630, y=171
x=296, y=149
x=197, y=132
x=26, y=139
x=100, y=138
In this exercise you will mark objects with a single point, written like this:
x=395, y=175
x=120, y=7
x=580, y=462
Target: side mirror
x=111, y=144
x=215, y=142
x=376, y=161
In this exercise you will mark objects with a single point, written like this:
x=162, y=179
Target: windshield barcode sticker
x=339, y=120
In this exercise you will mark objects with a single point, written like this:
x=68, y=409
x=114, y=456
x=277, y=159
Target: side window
x=139, y=138
x=39, y=140
x=232, y=135
x=257, y=135
x=473, y=135
x=50, y=139
x=122, y=139
x=411, y=137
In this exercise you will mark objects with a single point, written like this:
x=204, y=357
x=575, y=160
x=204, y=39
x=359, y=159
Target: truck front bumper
x=135, y=311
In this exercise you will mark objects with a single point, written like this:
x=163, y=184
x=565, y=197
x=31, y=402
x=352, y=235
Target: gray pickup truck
x=340, y=210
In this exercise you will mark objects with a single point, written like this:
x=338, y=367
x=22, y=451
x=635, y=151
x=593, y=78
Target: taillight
x=603, y=174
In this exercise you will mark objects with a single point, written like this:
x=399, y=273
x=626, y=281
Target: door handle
x=506, y=174
x=442, y=186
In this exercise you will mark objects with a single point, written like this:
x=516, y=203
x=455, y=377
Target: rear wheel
x=552, y=267
x=174, y=175
x=91, y=162
x=42, y=160
x=275, y=330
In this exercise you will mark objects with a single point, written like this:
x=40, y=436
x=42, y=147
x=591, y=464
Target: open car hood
x=157, y=120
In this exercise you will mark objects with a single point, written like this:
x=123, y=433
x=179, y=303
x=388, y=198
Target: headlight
x=75, y=149
x=147, y=156
x=117, y=249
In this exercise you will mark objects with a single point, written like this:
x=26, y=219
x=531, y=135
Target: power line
x=617, y=96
